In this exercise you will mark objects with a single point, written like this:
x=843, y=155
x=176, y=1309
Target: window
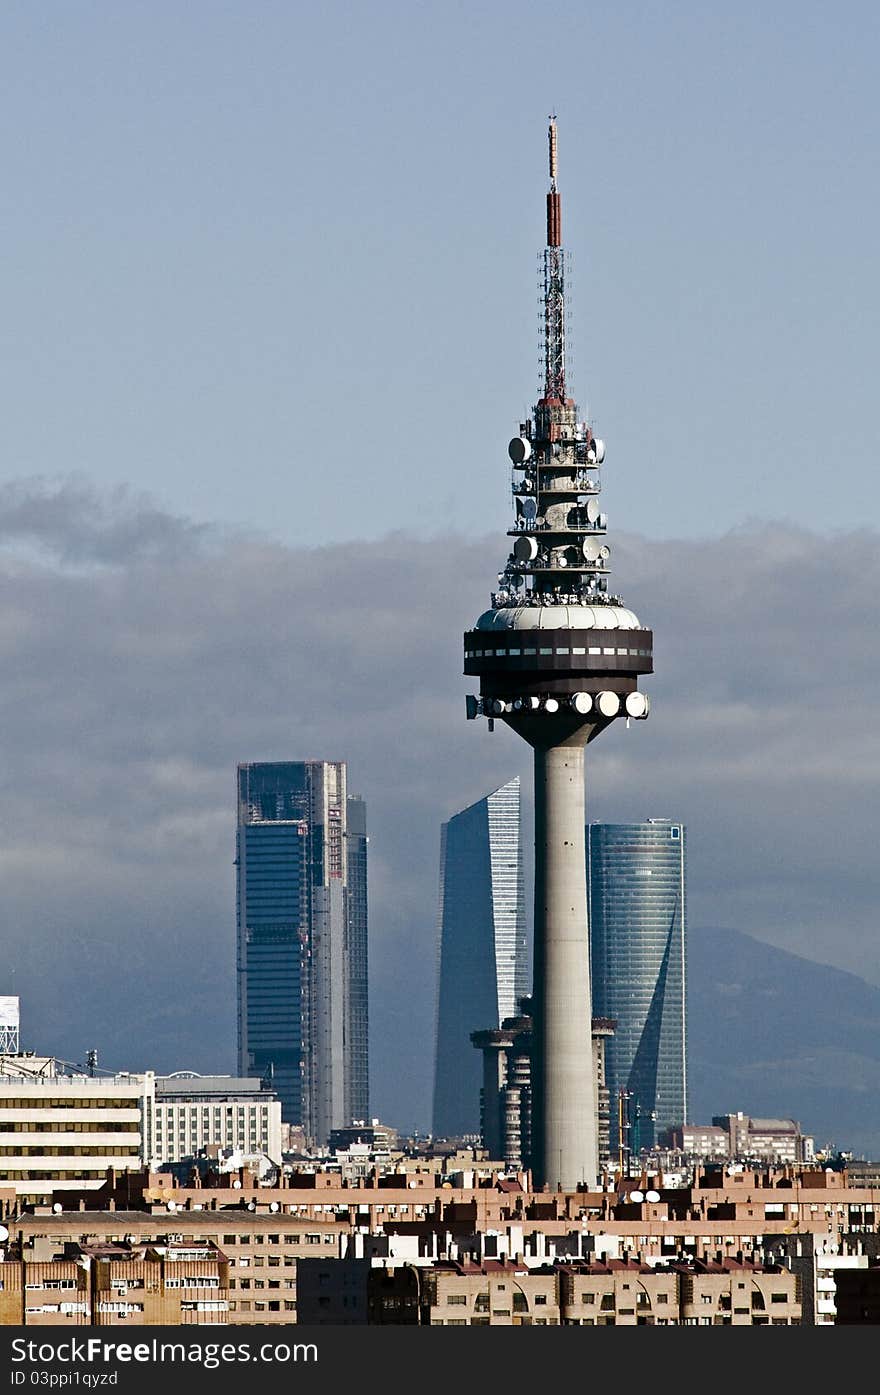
x=779, y=1298
x=540, y=1298
x=588, y=1297
x=456, y=1298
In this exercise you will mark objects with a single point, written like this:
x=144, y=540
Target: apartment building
x=59, y=1132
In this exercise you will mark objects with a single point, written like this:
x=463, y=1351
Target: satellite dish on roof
x=519, y=450
x=273, y=1205
x=652, y=1195
x=637, y=1196
x=57, y=1208
x=4, y=1233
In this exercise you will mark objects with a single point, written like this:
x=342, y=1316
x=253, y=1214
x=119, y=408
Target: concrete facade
x=60, y=1132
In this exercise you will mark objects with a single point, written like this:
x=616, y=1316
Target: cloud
x=69, y=520
x=143, y=655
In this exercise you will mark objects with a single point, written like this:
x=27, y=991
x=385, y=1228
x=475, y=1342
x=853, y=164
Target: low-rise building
x=61, y=1130
x=195, y=1112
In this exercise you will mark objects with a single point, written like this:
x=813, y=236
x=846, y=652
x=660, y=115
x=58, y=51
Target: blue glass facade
x=483, y=964
x=302, y=940
x=638, y=917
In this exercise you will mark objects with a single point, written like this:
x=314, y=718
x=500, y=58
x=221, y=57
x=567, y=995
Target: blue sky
x=276, y=262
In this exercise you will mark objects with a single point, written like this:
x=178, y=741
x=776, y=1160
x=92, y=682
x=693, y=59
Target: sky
x=269, y=319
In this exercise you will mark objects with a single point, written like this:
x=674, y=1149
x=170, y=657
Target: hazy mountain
x=776, y=1035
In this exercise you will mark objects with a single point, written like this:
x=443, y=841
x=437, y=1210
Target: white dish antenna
x=519, y=450
x=636, y=1196
x=652, y=1195
x=525, y=549
x=592, y=510
x=591, y=550
x=608, y=704
x=4, y=1233
x=600, y=451
x=636, y=705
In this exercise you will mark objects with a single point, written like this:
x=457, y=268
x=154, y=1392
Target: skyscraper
x=558, y=660
x=483, y=968
x=302, y=940
x=638, y=918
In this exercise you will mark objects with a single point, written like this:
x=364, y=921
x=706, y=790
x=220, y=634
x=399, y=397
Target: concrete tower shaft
x=558, y=659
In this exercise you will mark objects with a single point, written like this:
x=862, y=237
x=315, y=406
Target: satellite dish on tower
x=525, y=549
x=636, y=705
x=591, y=550
x=519, y=450
x=529, y=508
x=592, y=510
x=600, y=451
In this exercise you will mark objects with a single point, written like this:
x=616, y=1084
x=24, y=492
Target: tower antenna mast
x=558, y=660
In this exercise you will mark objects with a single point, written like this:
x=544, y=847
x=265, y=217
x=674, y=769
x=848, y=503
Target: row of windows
x=531, y=653
x=87, y=1150
x=73, y=1126
x=272, y=1307
x=262, y=1283
x=96, y=1102
x=35, y=1175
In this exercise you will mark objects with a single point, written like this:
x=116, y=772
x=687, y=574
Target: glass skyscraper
x=302, y=940
x=483, y=963
x=638, y=917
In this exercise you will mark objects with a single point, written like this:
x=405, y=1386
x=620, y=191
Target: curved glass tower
x=483, y=968
x=638, y=917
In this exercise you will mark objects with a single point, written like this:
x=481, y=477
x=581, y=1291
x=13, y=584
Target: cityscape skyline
x=222, y=272
x=115, y=832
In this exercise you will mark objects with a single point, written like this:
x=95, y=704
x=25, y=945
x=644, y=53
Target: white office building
x=62, y=1131
x=193, y=1112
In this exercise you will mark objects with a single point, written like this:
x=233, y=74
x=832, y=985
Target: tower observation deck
x=558, y=658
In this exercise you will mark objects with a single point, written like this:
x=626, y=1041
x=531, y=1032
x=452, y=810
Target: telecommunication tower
x=558, y=659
